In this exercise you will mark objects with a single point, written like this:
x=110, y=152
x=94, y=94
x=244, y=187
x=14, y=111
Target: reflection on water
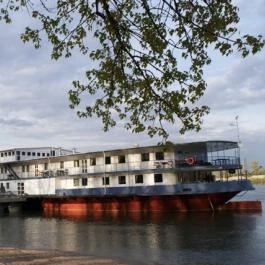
x=222, y=238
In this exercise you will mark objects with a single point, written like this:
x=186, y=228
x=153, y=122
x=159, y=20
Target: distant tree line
x=257, y=169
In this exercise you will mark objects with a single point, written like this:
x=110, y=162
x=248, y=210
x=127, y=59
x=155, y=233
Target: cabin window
x=107, y=160
x=45, y=166
x=18, y=153
x=76, y=163
x=25, y=168
x=7, y=185
x=33, y=153
x=5, y=154
x=105, y=181
x=43, y=154
x=48, y=154
x=92, y=161
x=139, y=179
x=29, y=153
x=20, y=188
x=9, y=153
x=145, y=156
x=158, y=178
x=23, y=153
x=61, y=164
x=13, y=153
x=76, y=182
x=121, y=159
x=122, y=180
x=2, y=154
x=84, y=166
x=84, y=182
x=36, y=169
x=159, y=156
x=38, y=154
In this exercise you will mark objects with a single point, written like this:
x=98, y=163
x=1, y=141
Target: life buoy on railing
x=190, y=160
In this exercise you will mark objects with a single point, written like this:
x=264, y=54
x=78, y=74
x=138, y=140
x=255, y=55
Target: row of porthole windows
x=20, y=187
x=138, y=179
x=122, y=159
x=18, y=153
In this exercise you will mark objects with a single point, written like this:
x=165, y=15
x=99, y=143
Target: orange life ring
x=190, y=161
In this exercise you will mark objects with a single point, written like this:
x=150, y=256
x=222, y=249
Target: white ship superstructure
x=175, y=170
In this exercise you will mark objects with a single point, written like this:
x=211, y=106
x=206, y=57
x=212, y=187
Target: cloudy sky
x=34, y=105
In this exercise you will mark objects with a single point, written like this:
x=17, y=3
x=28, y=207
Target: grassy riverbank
x=257, y=179
x=14, y=256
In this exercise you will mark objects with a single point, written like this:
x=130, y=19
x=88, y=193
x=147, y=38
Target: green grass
x=257, y=180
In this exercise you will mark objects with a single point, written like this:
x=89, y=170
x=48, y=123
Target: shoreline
x=257, y=179
x=17, y=256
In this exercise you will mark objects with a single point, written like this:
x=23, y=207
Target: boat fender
x=190, y=161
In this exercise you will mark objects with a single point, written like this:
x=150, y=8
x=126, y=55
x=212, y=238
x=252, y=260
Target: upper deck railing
x=190, y=163
x=215, y=161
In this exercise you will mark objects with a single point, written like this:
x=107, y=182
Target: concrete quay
x=11, y=203
x=14, y=256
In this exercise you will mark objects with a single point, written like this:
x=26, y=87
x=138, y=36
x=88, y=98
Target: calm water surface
x=221, y=238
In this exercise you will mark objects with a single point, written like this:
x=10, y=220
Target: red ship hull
x=166, y=203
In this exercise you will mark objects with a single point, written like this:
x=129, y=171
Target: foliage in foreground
x=147, y=57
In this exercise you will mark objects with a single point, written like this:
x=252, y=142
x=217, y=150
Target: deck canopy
x=207, y=146
x=215, y=146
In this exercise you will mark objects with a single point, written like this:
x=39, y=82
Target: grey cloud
x=242, y=84
x=15, y=122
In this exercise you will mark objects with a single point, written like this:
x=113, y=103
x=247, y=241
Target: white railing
x=102, y=168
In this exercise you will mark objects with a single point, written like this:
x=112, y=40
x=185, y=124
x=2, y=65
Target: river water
x=194, y=238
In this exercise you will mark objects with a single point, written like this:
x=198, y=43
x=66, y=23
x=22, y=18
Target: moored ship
x=174, y=177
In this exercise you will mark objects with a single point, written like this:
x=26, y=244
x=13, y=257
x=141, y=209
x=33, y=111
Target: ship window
x=76, y=163
x=139, y=179
x=105, y=181
x=2, y=170
x=9, y=153
x=145, y=156
x=43, y=154
x=33, y=154
x=122, y=159
x=38, y=154
x=7, y=185
x=62, y=164
x=158, y=178
x=5, y=154
x=23, y=168
x=13, y=153
x=2, y=154
x=84, y=182
x=76, y=182
x=48, y=154
x=23, y=153
x=29, y=153
x=18, y=153
x=107, y=160
x=159, y=156
x=92, y=161
x=122, y=180
x=45, y=166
